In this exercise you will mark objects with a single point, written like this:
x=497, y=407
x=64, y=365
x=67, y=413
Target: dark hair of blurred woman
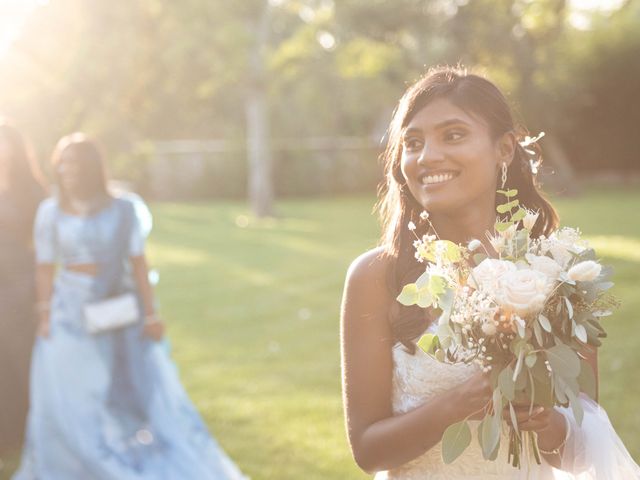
x=20, y=177
x=79, y=169
x=21, y=191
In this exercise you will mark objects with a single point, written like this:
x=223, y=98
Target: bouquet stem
x=518, y=444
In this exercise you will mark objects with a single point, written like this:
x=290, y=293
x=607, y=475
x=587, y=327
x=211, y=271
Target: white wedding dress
x=592, y=452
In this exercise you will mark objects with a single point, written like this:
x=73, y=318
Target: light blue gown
x=108, y=406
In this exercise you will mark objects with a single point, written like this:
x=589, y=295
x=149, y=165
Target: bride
x=451, y=138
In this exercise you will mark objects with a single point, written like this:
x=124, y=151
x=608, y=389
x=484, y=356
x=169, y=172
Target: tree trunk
x=260, y=168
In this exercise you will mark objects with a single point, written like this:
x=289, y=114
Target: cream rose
x=523, y=291
x=584, y=271
x=488, y=273
x=545, y=265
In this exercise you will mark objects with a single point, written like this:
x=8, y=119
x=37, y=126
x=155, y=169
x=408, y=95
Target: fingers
x=539, y=418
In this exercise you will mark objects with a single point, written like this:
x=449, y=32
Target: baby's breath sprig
x=424, y=215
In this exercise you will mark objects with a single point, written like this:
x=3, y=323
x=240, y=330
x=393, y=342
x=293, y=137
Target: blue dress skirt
x=110, y=406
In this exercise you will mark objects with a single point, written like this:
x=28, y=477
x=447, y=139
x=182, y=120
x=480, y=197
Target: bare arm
x=153, y=328
x=379, y=440
x=44, y=290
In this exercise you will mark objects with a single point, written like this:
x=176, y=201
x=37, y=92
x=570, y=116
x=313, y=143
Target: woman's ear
x=506, y=148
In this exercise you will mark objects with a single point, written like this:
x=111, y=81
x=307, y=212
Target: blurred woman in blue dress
x=106, y=401
x=21, y=191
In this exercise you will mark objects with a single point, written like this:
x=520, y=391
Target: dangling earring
x=504, y=175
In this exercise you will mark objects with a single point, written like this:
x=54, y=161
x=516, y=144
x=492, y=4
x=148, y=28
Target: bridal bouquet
x=523, y=318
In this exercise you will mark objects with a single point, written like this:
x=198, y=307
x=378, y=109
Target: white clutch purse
x=113, y=313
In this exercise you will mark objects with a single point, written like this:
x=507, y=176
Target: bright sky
x=13, y=13
x=580, y=9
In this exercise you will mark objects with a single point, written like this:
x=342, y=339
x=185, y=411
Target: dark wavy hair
x=26, y=184
x=92, y=164
x=397, y=206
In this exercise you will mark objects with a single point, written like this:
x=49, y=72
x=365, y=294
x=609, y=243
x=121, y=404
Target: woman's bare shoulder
x=371, y=266
x=367, y=279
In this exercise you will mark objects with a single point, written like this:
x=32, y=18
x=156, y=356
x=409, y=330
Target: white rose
x=584, y=271
x=544, y=264
x=523, y=291
x=488, y=273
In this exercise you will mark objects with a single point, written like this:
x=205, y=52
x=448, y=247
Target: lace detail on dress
x=418, y=378
x=595, y=450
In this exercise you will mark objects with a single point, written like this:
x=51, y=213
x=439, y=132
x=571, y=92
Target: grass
x=253, y=312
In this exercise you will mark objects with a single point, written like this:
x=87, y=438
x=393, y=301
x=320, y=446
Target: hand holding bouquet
x=525, y=318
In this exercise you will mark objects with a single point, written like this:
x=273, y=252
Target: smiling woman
x=451, y=140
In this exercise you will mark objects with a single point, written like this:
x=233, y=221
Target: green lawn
x=253, y=321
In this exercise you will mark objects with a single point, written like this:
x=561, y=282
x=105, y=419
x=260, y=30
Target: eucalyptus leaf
x=530, y=359
x=453, y=252
x=412, y=294
x=543, y=393
x=538, y=333
x=559, y=388
x=436, y=285
x=581, y=333
x=506, y=383
x=587, y=379
x=455, y=440
x=576, y=406
x=502, y=226
x=508, y=193
x=563, y=361
x=540, y=372
x=544, y=323
x=423, y=280
x=445, y=303
x=490, y=434
x=569, y=307
x=445, y=335
x=519, y=215
x=427, y=342
x=505, y=207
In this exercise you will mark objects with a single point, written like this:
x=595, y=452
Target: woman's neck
x=85, y=205
x=464, y=225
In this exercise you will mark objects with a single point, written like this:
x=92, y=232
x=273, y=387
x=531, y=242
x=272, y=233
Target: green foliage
x=455, y=440
x=157, y=70
x=428, y=343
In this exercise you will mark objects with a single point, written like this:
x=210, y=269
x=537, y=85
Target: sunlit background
x=221, y=112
